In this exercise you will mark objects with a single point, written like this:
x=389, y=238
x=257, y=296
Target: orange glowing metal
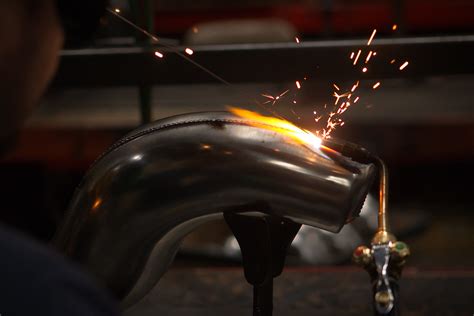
x=404, y=65
x=371, y=37
x=189, y=51
x=375, y=86
x=357, y=57
x=280, y=126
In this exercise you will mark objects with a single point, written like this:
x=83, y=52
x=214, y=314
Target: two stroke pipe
x=153, y=187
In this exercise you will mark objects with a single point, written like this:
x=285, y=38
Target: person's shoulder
x=37, y=280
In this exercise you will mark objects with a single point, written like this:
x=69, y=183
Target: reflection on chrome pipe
x=157, y=184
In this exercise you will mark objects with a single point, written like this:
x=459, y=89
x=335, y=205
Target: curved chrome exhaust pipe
x=157, y=184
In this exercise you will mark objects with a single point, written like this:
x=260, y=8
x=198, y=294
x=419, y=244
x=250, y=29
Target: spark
x=297, y=40
x=356, y=99
x=195, y=30
x=394, y=27
x=392, y=61
x=317, y=119
x=268, y=96
x=371, y=37
x=375, y=53
x=335, y=86
x=96, y=204
x=117, y=10
x=343, y=108
x=158, y=54
x=189, y=51
x=174, y=49
x=368, y=56
x=352, y=55
x=274, y=99
x=338, y=96
x=364, y=69
x=116, y=13
x=293, y=111
x=375, y=86
x=294, y=101
x=354, y=87
x=404, y=65
x=357, y=57
x=298, y=85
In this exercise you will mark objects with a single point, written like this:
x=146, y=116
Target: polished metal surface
x=153, y=187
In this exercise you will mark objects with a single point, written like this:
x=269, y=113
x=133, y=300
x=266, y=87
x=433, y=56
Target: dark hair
x=80, y=19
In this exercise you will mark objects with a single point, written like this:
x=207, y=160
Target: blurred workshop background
x=420, y=120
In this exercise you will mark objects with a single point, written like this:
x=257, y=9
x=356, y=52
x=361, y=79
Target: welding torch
x=362, y=155
x=385, y=258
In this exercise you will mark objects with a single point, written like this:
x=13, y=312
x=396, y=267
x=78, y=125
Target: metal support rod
x=263, y=299
x=144, y=92
x=264, y=242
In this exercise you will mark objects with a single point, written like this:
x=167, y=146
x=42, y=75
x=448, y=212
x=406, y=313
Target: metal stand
x=263, y=241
